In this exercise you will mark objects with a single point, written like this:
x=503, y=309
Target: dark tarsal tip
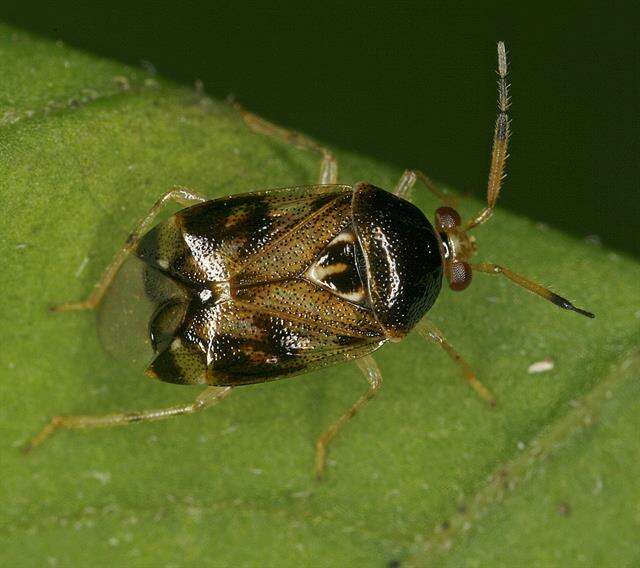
x=584, y=312
x=567, y=305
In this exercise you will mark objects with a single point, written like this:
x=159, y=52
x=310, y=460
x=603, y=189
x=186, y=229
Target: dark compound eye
x=447, y=218
x=459, y=275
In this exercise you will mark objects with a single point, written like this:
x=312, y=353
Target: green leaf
x=425, y=475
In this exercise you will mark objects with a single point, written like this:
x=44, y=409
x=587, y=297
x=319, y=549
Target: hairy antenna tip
x=502, y=58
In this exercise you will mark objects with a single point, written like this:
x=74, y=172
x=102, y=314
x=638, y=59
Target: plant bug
x=266, y=285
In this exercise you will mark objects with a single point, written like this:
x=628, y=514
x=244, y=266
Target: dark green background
x=411, y=83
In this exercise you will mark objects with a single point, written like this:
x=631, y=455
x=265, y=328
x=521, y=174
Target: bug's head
x=456, y=246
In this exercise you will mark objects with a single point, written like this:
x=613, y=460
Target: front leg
x=431, y=333
x=404, y=187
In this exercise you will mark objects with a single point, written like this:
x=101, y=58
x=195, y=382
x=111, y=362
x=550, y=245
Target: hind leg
x=371, y=372
x=207, y=398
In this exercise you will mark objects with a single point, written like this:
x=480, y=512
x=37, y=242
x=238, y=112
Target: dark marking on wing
x=242, y=344
x=181, y=362
x=215, y=240
x=291, y=253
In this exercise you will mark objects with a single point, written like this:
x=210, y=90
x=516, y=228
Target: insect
x=266, y=285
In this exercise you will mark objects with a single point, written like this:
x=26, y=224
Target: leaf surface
x=425, y=475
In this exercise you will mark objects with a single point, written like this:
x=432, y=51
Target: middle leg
x=329, y=165
x=371, y=372
x=405, y=185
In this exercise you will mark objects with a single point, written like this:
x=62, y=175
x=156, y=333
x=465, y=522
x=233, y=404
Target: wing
x=249, y=237
x=269, y=331
x=140, y=312
x=271, y=321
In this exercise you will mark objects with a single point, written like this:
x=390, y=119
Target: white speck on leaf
x=103, y=477
x=598, y=486
x=230, y=430
x=541, y=366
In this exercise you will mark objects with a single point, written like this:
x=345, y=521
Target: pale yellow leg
x=329, y=165
x=371, y=372
x=405, y=185
x=431, y=333
x=208, y=397
x=180, y=195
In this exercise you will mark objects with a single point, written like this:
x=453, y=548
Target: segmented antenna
x=501, y=135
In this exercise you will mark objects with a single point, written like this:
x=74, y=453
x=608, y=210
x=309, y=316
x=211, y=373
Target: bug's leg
x=431, y=333
x=180, y=195
x=208, y=397
x=329, y=165
x=499, y=153
x=405, y=185
x=371, y=372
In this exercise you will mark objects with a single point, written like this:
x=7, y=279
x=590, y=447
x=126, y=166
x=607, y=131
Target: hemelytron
x=270, y=284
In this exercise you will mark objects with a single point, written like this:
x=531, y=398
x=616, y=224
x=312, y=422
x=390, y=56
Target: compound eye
x=459, y=275
x=447, y=218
